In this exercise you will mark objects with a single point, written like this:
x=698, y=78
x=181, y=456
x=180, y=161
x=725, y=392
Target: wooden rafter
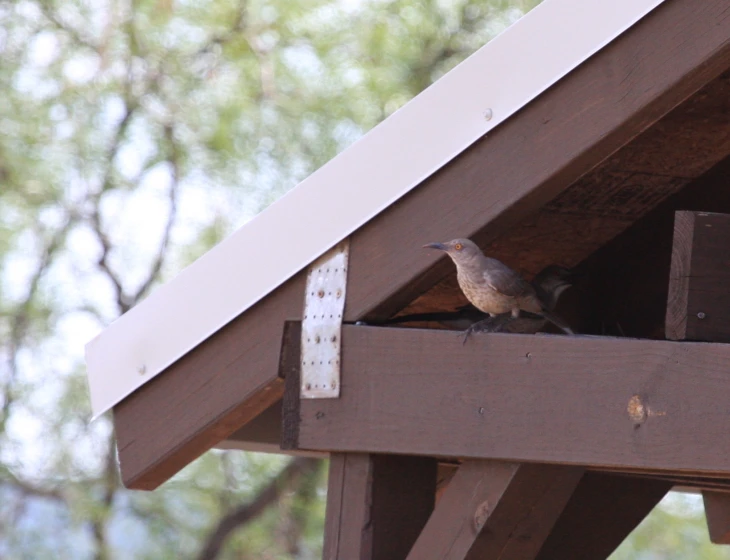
x=232, y=377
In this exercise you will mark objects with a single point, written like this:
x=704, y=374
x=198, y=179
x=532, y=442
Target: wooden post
x=698, y=308
x=699, y=287
x=376, y=505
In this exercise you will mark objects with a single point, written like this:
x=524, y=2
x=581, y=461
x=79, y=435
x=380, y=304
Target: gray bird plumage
x=549, y=283
x=496, y=289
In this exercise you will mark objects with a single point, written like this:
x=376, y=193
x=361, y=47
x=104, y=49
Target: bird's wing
x=504, y=280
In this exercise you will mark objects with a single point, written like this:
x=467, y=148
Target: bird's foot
x=490, y=324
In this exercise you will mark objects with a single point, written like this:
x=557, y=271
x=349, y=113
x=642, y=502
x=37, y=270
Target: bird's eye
x=458, y=246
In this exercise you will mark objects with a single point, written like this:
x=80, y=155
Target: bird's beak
x=439, y=246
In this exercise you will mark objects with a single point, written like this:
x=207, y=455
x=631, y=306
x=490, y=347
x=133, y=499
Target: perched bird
x=549, y=284
x=494, y=288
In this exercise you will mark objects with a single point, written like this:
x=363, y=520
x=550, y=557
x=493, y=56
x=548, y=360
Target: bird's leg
x=493, y=323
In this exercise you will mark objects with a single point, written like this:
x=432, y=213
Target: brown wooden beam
x=231, y=377
x=604, y=509
x=622, y=403
x=699, y=287
x=501, y=511
x=717, y=511
x=376, y=505
x=699, y=309
x=206, y=396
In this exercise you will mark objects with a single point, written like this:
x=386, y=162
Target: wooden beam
x=584, y=533
x=231, y=377
x=698, y=308
x=597, y=401
x=699, y=286
x=376, y=505
x=717, y=511
x=263, y=435
x=496, y=510
x=206, y=396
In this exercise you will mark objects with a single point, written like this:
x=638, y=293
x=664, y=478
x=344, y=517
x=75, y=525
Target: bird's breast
x=483, y=296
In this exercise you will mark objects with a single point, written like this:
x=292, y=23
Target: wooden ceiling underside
x=661, y=161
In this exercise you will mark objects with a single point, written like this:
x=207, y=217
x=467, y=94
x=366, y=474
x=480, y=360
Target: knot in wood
x=636, y=410
x=481, y=515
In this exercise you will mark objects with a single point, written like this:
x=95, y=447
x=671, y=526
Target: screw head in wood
x=636, y=410
x=701, y=315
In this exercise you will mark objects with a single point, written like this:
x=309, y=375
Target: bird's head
x=461, y=251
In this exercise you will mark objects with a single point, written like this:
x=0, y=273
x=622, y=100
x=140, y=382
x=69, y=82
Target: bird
x=552, y=281
x=494, y=288
x=549, y=284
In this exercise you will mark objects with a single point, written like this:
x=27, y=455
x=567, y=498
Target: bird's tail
x=557, y=320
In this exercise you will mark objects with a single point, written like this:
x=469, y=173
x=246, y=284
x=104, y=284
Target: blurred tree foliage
x=134, y=135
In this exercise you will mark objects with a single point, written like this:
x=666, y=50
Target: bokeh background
x=134, y=135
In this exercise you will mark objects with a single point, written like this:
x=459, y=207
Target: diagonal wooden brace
x=496, y=510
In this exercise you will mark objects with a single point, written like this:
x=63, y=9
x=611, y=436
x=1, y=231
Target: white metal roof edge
x=348, y=191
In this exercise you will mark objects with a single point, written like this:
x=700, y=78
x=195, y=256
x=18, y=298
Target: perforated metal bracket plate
x=324, y=304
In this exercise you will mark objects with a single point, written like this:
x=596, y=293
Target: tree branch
x=103, y=262
x=51, y=16
x=27, y=488
x=174, y=160
x=20, y=319
x=250, y=511
x=110, y=481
